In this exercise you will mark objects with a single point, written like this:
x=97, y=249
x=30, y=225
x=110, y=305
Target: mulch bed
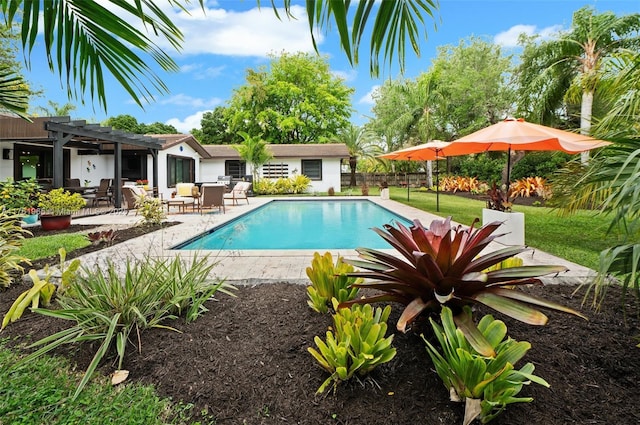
x=246, y=361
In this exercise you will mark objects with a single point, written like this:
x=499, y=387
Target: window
x=234, y=168
x=180, y=170
x=312, y=168
x=274, y=171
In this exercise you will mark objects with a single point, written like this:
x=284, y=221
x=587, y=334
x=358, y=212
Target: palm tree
x=359, y=142
x=576, y=60
x=82, y=38
x=253, y=150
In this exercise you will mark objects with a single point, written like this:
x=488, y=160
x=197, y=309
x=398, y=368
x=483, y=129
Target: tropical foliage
x=486, y=383
x=11, y=236
x=19, y=197
x=255, y=151
x=61, y=202
x=444, y=266
x=328, y=281
x=357, y=344
x=111, y=304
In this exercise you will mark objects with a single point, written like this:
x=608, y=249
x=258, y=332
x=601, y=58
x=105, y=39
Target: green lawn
x=46, y=246
x=578, y=238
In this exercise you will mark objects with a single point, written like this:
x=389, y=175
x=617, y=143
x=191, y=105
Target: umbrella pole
x=508, y=170
x=437, y=183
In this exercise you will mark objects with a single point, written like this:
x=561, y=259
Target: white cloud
x=509, y=38
x=253, y=32
x=200, y=72
x=189, y=123
x=367, y=99
x=184, y=100
x=349, y=75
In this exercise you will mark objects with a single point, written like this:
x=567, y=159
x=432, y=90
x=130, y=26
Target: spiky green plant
x=487, y=384
x=358, y=344
x=329, y=280
x=442, y=266
x=11, y=237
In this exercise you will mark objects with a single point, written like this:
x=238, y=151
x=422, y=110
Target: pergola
x=60, y=132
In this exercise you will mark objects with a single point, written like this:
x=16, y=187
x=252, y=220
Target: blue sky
x=233, y=35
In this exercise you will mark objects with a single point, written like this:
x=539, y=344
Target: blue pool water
x=301, y=225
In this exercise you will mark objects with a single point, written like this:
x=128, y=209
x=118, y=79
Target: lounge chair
x=131, y=195
x=212, y=195
x=239, y=191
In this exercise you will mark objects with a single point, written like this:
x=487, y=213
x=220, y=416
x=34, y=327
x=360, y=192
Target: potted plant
x=20, y=197
x=499, y=209
x=57, y=207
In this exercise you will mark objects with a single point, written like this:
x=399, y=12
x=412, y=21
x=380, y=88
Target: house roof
x=170, y=140
x=316, y=150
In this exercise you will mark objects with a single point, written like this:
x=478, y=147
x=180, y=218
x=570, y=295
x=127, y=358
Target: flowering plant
x=142, y=182
x=20, y=197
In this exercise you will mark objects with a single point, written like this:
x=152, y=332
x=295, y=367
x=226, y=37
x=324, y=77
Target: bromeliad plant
x=443, y=266
x=486, y=383
x=358, y=345
x=329, y=280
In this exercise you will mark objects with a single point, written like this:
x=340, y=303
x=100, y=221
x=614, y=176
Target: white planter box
x=512, y=225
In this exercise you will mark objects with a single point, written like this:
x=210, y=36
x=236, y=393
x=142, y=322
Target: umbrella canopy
x=519, y=135
x=429, y=151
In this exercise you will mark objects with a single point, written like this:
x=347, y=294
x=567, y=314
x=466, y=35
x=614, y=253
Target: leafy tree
x=54, y=109
x=575, y=60
x=295, y=100
x=85, y=37
x=214, y=128
x=124, y=122
x=157, y=128
x=253, y=150
x=130, y=124
x=472, y=80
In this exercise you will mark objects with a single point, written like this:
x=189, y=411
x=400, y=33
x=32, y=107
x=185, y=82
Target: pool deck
x=262, y=266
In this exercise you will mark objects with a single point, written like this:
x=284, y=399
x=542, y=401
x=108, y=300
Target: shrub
x=543, y=164
x=19, y=197
x=150, y=209
x=358, y=345
x=482, y=166
x=109, y=304
x=530, y=186
x=329, y=280
x=486, y=383
x=61, y=202
x=300, y=183
x=265, y=187
x=445, y=266
x=11, y=237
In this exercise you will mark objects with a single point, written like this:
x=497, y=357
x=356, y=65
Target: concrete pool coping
x=255, y=266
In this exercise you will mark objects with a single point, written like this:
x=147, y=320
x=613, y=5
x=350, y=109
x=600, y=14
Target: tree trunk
x=515, y=157
x=353, y=162
x=429, y=169
x=586, y=109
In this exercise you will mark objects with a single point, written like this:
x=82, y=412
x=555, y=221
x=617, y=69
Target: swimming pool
x=301, y=224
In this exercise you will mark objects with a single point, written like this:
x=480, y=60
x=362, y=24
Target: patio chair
x=103, y=194
x=212, y=195
x=239, y=191
x=71, y=183
x=131, y=195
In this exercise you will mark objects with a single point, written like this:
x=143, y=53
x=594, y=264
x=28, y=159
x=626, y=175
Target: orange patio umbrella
x=519, y=135
x=429, y=151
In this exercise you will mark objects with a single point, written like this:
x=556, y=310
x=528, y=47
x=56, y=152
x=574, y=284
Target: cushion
x=184, y=189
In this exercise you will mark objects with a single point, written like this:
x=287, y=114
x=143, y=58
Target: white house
x=56, y=149
x=320, y=162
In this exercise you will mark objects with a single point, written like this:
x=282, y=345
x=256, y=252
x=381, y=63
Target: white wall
x=90, y=167
x=211, y=169
x=6, y=165
x=183, y=150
